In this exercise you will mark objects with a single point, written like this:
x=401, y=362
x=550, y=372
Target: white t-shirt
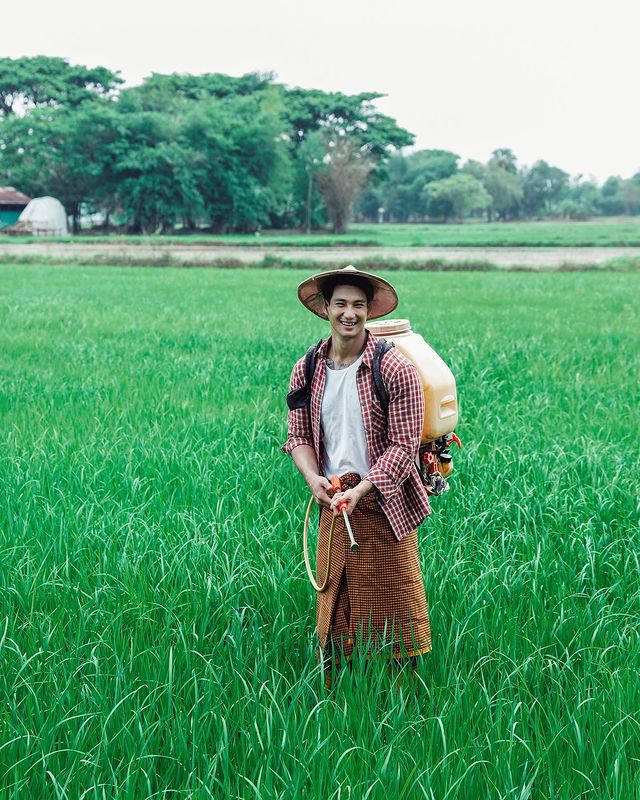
x=345, y=443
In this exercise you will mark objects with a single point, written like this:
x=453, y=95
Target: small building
x=43, y=216
x=12, y=204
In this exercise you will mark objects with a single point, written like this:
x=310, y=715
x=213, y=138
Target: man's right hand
x=319, y=485
x=304, y=458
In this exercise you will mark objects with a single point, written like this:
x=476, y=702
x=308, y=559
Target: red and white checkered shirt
x=393, y=439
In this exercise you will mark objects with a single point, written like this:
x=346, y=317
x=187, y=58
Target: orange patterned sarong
x=376, y=595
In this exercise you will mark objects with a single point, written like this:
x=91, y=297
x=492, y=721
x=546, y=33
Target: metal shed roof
x=10, y=196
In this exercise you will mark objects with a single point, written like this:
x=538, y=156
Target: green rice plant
x=156, y=625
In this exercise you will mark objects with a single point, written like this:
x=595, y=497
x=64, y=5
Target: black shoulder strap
x=299, y=398
x=382, y=347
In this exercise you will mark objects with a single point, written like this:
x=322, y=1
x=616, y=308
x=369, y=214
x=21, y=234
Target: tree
x=163, y=92
x=151, y=170
x=222, y=161
x=504, y=159
x=506, y=191
x=45, y=81
x=370, y=203
x=308, y=119
x=347, y=168
x=240, y=160
x=610, y=202
x=542, y=185
x=404, y=196
x=434, y=165
x=501, y=180
x=630, y=194
x=461, y=193
x=219, y=161
x=340, y=114
x=309, y=111
x=581, y=200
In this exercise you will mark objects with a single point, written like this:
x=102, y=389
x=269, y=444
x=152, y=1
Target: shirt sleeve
x=298, y=419
x=405, y=419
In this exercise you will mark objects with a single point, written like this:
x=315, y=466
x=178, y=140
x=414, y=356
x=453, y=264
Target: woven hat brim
x=384, y=301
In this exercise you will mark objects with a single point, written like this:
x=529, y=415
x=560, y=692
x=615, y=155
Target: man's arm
x=304, y=457
x=299, y=443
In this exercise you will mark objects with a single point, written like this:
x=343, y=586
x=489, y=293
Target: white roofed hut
x=43, y=216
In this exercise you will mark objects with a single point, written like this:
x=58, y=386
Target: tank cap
x=389, y=327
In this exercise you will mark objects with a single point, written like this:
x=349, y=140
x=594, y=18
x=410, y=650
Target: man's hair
x=359, y=282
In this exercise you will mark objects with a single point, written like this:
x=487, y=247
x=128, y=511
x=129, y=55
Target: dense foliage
x=237, y=154
x=427, y=185
x=45, y=81
x=232, y=154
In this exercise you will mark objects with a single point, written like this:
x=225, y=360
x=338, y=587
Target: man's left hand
x=351, y=497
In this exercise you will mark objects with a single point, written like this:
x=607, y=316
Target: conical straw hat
x=385, y=298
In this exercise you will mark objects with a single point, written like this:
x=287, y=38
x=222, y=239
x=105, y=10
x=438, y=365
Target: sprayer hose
x=305, y=545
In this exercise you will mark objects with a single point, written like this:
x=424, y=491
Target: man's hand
x=351, y=497
x=304, y=458
x=319, y=485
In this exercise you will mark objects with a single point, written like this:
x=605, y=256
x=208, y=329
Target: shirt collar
x=367, y=353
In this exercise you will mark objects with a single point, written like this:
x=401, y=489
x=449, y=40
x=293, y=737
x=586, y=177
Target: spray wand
x=335, y=485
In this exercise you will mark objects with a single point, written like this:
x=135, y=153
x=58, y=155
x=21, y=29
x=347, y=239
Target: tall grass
x=156, y=634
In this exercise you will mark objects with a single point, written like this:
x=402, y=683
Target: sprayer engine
x=436, y=463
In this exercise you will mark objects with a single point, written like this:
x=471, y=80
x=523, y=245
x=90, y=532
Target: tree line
x=236, y=154
x=434, y=185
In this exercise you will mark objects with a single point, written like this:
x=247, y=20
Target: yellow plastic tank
x=440, y=399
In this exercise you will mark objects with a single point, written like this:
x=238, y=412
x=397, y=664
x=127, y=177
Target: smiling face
x=347, y=312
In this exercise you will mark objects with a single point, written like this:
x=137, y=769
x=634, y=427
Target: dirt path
x=505, y=257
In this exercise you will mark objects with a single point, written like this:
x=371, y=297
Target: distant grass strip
x=614, y=232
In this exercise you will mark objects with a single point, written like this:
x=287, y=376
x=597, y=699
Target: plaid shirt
x=392, y=439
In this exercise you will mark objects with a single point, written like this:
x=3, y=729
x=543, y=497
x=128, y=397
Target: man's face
x=347, y=312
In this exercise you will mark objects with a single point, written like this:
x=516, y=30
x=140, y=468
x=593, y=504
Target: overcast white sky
x=552, y=79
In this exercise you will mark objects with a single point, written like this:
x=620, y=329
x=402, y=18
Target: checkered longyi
x=376, y=595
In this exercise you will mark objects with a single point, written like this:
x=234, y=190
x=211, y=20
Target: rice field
x=597, y=232
x=157, y=626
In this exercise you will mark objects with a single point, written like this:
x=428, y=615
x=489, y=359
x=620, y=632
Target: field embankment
x=171, y=254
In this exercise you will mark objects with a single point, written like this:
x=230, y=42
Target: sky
x=551, y=79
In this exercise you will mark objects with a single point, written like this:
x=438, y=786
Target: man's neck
x=346, y=351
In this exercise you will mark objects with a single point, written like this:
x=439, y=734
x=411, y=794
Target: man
x=375, y=596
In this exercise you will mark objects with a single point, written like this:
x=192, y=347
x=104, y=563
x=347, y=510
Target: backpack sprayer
x=435, y=462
